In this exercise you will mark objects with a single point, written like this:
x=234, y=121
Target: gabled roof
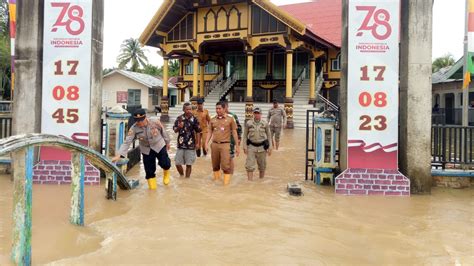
x=174, y=10
x=321, y=17
x=449, y=74
x=145, y=79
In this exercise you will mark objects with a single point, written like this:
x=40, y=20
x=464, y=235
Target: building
x=126, y=88
x=447, y=95
x=250, y=51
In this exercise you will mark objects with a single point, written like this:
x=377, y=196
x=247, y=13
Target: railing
x=227, y=85
x=452, y=145
x=6, y=106
x=215, y=82
x=301, y=77
x=5, y=125
x=22, y=149
x=450, y=116
x=329, y=104
x=310, y=143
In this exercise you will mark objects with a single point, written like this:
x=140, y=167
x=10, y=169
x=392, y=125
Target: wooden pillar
x=77, y=199
x=201, y=81
x=249, y=97
x=312, y=81
x=195, y=79
x=289, y=89
x=165, y=99
x=22, y=206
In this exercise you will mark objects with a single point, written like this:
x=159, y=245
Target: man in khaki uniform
x=257, y=144
x=222, y=127
x=203, y=117
x=277, y=120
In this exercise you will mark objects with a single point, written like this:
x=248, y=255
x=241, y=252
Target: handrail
x=228, y=84
x=301, y=77
x=328, y=102
x=17, y=142
x=216, y=81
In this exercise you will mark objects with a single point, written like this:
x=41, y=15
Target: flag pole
x=465, y=92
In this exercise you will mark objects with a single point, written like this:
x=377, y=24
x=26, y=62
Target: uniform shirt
x=276, y=116
x=203, y=118
x=222, y=127
x=187, y=134
x=151, y=137
x=257, y=132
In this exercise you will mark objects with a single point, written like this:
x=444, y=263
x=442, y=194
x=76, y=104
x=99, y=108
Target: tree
x=131, y=52
x=152, y=70
x=173, y=68
x=442, y=62
x=5, y=60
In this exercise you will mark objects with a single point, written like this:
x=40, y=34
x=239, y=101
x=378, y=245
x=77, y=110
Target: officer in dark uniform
x=154, y=144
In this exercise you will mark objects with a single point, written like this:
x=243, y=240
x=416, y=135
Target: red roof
x=322, y=17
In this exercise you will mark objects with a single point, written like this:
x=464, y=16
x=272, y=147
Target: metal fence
x=5, y=125
x=6, y=107
x=447, y=116
x=452, y=145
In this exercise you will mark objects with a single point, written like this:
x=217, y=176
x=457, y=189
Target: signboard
x=122, y=96
x=373, y=84
x=66, y=67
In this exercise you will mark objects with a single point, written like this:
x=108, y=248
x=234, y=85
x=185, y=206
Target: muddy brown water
x=199, y=221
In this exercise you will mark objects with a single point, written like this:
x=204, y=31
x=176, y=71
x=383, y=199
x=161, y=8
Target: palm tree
x=173, y=68
x=442, y=62
x=132, y=52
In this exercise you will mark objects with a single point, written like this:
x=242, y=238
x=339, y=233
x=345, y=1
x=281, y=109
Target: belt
x=249, y=142
x=222, y=142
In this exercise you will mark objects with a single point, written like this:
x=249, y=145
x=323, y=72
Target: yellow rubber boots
x=226, y=179
x=217, y=175
x=166, y=177
x=151, y=183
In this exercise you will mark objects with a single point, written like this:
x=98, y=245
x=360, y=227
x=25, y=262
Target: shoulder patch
x=131, y=133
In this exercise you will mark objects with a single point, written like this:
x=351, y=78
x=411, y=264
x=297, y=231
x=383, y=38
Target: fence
x=448, y=116
x=5, y=106
x=452, y=145
x=5, y=125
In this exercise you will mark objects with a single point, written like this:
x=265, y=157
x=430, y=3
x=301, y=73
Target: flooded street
x=199, y=221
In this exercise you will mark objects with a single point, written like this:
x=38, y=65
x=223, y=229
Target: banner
x=470, y=44
x=12, y=21
x=373, y=89
x=67, y=68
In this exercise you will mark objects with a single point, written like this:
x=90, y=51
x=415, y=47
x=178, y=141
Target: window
x=211, y=68
x=189, y=68
x=264, y=22
x=183, y=30
x=336, y=63
x=134, y=97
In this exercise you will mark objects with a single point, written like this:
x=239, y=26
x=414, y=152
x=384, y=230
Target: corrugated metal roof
x=322, y=17
x=145, y=79
x=448, y=74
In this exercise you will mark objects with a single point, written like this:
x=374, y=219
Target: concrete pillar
x=95, y=116
x=164, y=100
x=249, y=98
x=415, y=85
x=28, y=68
x=195, y=79
x=289, y=89
x=201, y=80
x=343, y=88
x=312, y=81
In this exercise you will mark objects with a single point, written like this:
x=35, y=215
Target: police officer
x=277, y=120
x=257, y=144
x=154, y=144
x=233, y=142
x=222, y=127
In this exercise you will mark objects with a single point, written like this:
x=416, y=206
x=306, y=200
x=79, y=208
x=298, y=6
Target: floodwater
x=199, y=221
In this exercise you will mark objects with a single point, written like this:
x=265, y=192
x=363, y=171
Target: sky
x=125, y=20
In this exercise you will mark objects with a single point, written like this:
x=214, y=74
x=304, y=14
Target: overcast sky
x=125, y=19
